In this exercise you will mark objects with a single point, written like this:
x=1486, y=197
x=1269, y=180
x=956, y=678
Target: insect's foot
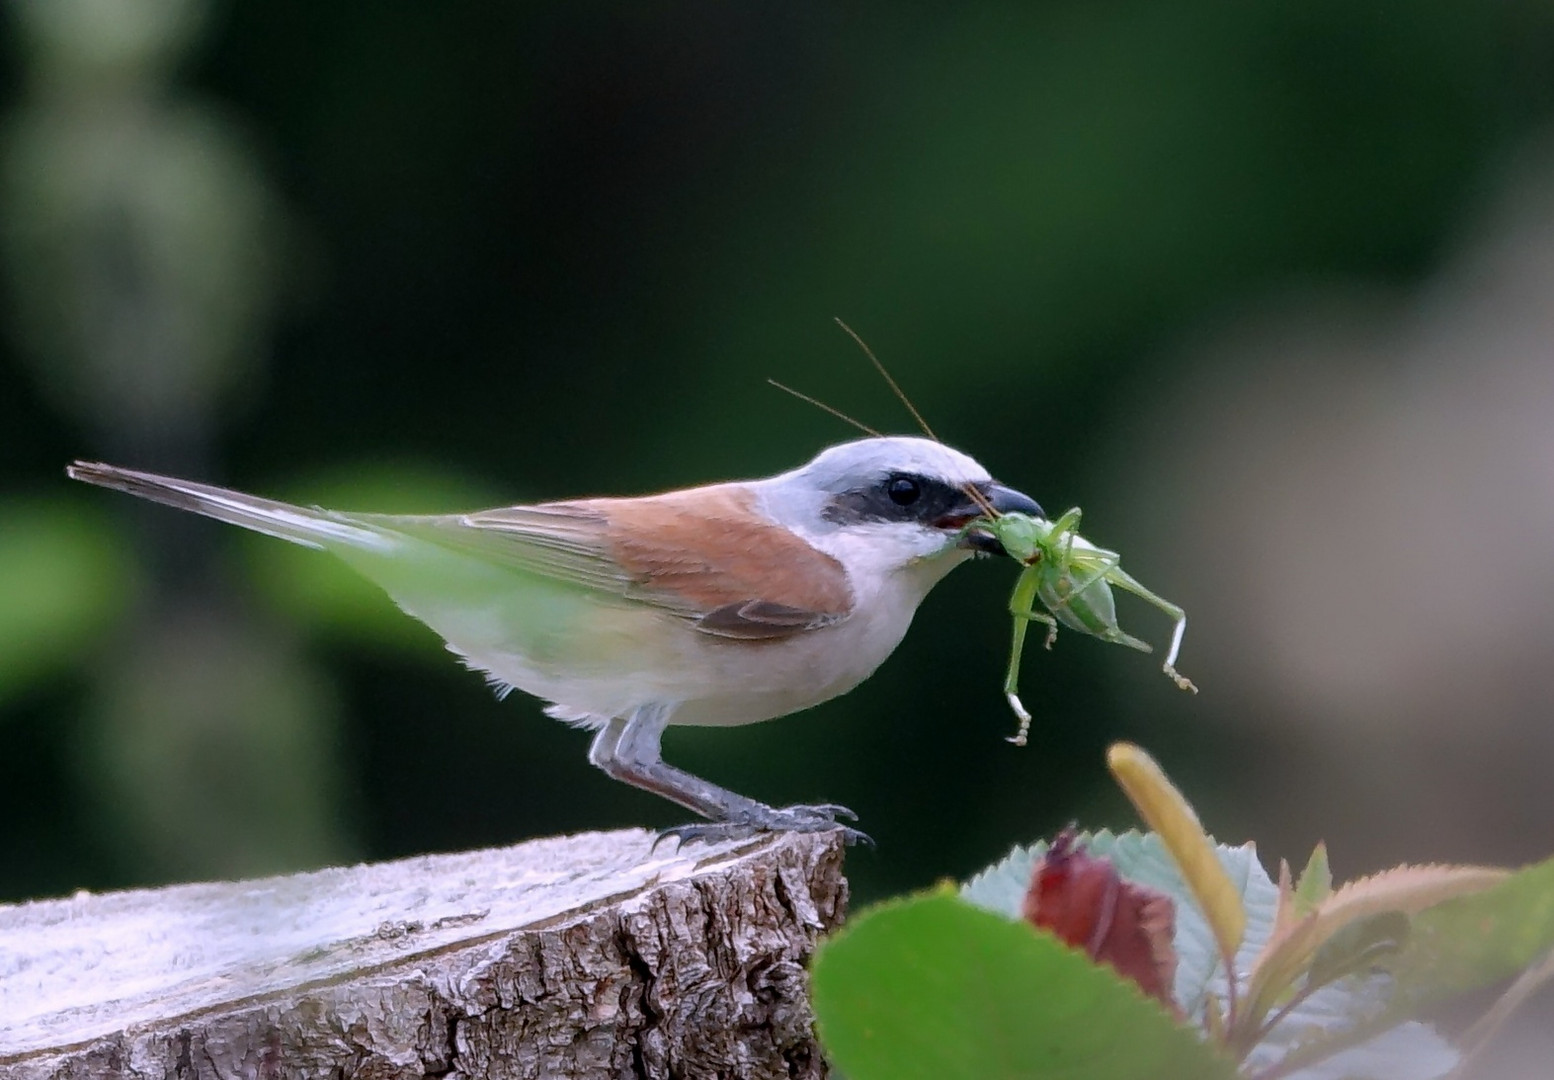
x=818, y=818
x=1182, y=682
x=1018, y=738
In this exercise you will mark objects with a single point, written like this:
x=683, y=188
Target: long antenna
x=817, y=403
x=896, y=389
x=970, y=489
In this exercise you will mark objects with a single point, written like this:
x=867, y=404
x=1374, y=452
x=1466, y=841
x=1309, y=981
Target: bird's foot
x=819, y=818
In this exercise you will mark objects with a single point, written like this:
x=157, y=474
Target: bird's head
x=892, y=502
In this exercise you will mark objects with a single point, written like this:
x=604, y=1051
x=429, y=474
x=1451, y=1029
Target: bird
x=718, y=605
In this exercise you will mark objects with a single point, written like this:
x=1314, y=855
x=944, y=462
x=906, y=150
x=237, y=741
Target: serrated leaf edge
x=1315, y=883
x=1408, y=889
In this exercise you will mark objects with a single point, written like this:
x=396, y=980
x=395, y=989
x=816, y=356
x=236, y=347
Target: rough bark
x=584, y=956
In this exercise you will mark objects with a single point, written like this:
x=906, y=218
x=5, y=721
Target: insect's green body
x=1073, y=579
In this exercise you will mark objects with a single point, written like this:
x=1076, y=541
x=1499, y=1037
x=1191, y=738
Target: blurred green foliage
x=546, y=250
x=65, y=583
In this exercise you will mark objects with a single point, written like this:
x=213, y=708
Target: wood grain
x=584, y=956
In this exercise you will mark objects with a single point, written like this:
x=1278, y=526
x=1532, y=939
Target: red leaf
x=1084, y=901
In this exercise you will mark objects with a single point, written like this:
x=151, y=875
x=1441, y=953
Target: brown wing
x=705, y=554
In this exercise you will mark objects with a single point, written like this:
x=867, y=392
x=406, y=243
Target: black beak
x=1004, y=501
x=1009, y=501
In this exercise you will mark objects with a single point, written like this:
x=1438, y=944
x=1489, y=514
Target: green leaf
x=1409, y=1049
x=1316, y=882
x=1406, y=890
x=1363, y=944
x=65, y=579
x=933, y=987
x=1472, y=941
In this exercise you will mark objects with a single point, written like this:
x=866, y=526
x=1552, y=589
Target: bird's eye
x=903, y=490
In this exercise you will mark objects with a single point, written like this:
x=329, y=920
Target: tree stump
x=576, y=957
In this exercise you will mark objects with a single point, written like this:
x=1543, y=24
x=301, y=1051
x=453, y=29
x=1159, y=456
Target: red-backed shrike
x=716, y=605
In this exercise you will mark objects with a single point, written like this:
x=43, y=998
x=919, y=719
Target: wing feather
x=705, y=555
x=760, y=619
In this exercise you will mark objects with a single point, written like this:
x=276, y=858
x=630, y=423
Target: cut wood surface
x=582, y=956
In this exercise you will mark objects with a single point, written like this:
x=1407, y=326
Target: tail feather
x=313, y=528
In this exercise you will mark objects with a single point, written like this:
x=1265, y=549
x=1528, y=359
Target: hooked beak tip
x=1009, y=501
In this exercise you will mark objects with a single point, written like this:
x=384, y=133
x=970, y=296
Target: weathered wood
x=584, y=956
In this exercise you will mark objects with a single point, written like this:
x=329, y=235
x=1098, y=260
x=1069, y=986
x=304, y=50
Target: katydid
x=1069, y=575
x=1073, y=579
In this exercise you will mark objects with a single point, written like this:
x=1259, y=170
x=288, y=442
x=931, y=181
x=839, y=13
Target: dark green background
x=546, y=250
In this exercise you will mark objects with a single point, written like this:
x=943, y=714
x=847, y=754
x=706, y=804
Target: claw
x=830, y=810
x=821, y=818
x=709, y=832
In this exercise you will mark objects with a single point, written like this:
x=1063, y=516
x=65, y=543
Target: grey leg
x=627, y=749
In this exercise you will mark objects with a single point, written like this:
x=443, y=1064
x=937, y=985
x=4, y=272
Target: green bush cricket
x=1073, y=579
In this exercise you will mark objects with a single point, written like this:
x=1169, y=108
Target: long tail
x=314, y=528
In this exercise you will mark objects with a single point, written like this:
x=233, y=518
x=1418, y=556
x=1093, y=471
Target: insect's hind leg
x=1123, y=580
